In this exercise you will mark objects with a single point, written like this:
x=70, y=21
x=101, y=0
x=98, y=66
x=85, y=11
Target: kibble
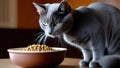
x=38, y=47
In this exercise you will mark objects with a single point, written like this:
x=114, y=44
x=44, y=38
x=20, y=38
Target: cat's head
x=55, y=19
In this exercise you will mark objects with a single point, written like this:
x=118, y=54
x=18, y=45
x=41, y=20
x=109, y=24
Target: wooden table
x=67, y=63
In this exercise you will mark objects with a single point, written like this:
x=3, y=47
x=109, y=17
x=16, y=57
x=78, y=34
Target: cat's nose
x=50, y=33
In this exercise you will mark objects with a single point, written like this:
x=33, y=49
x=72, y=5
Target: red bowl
x=35, y=59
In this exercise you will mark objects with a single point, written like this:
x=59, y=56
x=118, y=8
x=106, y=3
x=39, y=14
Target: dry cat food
x=38, y=47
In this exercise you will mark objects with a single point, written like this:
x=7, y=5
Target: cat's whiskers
x=62, y=43
x=44, y=39
x=39, y=33
x=41, y=39
x=38, y=36
x=58, y=42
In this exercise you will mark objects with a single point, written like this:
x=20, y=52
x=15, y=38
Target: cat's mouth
x=53, y=35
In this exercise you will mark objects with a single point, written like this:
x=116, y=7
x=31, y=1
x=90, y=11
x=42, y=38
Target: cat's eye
x=44, y=23
x=56, y=23
x=61, y=12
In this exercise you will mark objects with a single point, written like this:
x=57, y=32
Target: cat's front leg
x=97, y=54
x=87, y=56
x=97, y=45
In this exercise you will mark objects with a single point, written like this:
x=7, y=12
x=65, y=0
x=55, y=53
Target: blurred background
x=19, y=23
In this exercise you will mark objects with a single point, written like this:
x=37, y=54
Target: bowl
x=37, y=59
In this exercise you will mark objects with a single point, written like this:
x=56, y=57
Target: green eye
x=44, y=23
x=56, y=23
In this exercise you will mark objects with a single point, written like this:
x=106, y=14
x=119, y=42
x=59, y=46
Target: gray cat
x=94, y=29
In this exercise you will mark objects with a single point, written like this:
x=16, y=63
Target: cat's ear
x=65, y=7
x=40, y=8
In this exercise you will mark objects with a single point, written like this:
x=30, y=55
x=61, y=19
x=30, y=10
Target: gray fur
x=110, y=61
x=95, y=30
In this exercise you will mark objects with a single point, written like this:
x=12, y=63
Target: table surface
x=67, y=63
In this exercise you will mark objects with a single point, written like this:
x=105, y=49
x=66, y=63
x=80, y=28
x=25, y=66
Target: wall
x=115, y=3
x=8, y=13
x=77, y=3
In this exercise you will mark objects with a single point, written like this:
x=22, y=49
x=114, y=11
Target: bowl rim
x=17, y=50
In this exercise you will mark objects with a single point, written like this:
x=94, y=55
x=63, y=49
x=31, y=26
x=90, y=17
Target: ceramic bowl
x=37, y=59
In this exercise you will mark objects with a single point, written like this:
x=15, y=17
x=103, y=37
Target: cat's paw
x=83, y=63
x=94, y=64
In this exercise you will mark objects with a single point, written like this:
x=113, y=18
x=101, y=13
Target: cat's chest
x=69, y=39
x=76, y=42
